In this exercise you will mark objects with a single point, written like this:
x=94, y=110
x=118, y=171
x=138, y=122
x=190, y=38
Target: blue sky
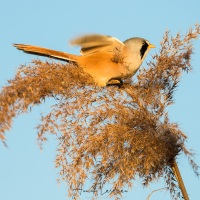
x=26, y=173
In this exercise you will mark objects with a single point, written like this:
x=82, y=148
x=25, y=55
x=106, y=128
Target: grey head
x=138, y=46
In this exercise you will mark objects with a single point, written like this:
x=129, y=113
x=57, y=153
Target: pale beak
x=152, y=46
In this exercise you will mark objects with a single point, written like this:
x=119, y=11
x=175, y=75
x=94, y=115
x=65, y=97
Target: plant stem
x=180, y=180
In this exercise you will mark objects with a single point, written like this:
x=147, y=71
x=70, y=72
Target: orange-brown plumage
x=103, y=57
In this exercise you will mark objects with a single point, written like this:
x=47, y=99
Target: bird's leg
x=117, y=82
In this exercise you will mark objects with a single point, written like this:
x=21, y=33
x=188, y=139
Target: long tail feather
x=46, y=52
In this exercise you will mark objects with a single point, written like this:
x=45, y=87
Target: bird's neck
x=134, y=61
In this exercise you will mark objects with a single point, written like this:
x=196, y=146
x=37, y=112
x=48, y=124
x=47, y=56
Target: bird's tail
x=46, y=52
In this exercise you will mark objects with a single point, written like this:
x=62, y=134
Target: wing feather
x=96, y=43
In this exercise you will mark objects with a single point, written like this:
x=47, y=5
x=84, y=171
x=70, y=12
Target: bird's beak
x=152, y=46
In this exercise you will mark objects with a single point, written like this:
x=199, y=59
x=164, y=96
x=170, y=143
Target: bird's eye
x=143, y=49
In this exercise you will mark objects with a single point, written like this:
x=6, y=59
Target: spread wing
x=96, y=43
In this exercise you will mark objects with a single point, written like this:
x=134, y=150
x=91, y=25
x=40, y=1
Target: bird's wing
x=96, y=43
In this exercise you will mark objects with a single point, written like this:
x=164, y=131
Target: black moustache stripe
x=143, y=49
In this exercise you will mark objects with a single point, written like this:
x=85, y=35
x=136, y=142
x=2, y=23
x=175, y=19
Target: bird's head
x=138, y=47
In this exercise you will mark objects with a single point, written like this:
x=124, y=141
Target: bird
x=103, y=57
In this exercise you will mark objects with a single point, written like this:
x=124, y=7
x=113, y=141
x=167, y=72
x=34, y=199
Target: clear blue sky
x=26, y=173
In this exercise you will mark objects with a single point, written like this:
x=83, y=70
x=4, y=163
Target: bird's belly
x=102, y=68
